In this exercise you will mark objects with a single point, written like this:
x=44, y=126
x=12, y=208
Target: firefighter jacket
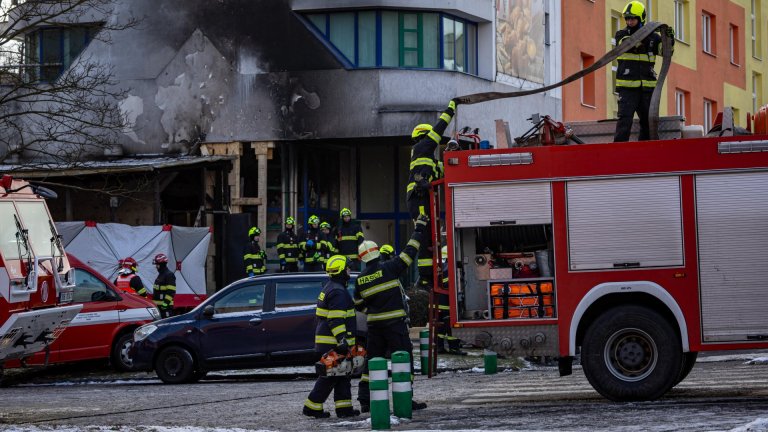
x=424, y=168
x=378, y=290
x=635, y=68
x=348, y=238
x=310, y=254
x=288, y=246
x=335, y=316
x=131, y=283
x=164, y=289
x=255, y=259
x=327, y=246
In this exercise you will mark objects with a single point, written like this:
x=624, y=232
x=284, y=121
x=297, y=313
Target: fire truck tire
x=689, y=361
x=631, y=353
x=175, y=365
x=121, y=348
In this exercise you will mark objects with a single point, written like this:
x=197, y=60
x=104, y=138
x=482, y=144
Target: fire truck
x=36, y=285
x=632, y=257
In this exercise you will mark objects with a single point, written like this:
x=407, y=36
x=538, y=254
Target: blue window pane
x=390, y=39
x=319, y=21
x=449, y=59
x=51, y=58
x=461, y=57
x=366, y=39
x=342, y=33
x=430, y=42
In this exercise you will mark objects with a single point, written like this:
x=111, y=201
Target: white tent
x=102, y=246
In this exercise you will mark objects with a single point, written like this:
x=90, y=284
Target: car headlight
x=142, y=332
x=154, y=312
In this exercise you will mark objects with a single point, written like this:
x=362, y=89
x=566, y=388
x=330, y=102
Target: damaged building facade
x=247, y=111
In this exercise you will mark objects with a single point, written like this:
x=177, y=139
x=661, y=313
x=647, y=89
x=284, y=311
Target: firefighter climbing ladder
x=653, y=118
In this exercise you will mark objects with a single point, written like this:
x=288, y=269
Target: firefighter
x=254, y=256
x=635, y=76
x=349, y=236
x=288, y=247
x=310, y=245
x=335, y=330
x=379, y=293
x=128, y=279
x=386, y=252
x=423, y=170
x=164, y=288
x=447, y=343
x=327, y=242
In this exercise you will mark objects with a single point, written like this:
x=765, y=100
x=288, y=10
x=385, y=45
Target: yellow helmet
x=444, y=252
x=254, y=231
x=635, y=9
x=314, y=220
x=345, y=212
x=421, y=129
x=336, y=265
x=290, y=220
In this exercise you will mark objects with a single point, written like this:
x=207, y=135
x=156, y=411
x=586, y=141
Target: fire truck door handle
x=626, y=264
x=255, y=322
x=504, y=222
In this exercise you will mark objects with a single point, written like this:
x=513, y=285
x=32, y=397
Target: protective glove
x=670, y=32
x=452, y=104
x=342, y=348
x=251, y=274
x=421, y=223
x=310, y=244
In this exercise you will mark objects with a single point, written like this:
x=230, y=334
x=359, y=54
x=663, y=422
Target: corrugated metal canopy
x=117, y=166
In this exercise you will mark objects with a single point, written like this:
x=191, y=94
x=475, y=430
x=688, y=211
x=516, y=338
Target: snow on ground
x=759, y=425
x=758, y=360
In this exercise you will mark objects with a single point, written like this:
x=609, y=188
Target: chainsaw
x=335, y=364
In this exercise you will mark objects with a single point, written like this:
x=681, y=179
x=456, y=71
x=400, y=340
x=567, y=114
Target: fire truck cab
x=35, y=281
x=634, y=256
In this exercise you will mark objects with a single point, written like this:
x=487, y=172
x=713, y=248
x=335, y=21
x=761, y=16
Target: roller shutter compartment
x=500, y=204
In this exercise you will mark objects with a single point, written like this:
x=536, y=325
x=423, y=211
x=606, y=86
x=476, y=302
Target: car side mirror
x=208, y=311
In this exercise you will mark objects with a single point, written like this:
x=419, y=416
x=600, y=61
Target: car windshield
x=35, y=218
x=9, y=245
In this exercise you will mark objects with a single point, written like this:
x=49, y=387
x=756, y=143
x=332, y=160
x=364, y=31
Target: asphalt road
x=717, y=396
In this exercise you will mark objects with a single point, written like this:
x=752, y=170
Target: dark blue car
x=255, y=322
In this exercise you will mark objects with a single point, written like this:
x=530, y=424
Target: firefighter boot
x=441, y=344
x=454, y=346
x=315, y=413
x=347, y=412
x=364, y=407
x=418, y=405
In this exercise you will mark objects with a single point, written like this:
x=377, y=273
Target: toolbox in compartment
x=519, y=299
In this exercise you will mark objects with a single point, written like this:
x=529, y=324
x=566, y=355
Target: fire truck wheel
x=174, y=365
x=689, y=361
x=631, y=353
x=121, y=352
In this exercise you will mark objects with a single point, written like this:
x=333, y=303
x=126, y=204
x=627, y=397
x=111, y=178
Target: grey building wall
x=249, y=70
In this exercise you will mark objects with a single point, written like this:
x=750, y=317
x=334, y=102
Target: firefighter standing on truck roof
x=336, y=328
x=635, y=76
x=288, y=247
x=255, y=257
x=164, y=288
x=128, y=280
x=379, y=293
x=349, y=236
x=423, y=170
x=309, y=243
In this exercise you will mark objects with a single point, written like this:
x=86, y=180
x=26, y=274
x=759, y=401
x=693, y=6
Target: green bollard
x=424, y=351
x=489, y=360
x=378, y=376
x=402, y=391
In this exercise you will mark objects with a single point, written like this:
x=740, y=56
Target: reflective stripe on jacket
x=335, y=317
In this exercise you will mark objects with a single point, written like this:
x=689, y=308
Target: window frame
x=470, y=53
x=236, y=291
x=710, y=107
x=681, y=103
x=680, y=20
x=291, y=285
x=36, y=58
x=733, y=40
x=588, y=90
x=708, y=23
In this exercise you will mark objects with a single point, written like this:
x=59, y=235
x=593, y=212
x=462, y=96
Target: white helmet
x=368, y=250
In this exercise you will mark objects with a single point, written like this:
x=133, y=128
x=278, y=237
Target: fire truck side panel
x=732, y=212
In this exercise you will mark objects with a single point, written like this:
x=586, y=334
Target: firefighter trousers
x=419, y=204
x=631, y=101
x=316, y=266
x=342, y=393
x=383, y=340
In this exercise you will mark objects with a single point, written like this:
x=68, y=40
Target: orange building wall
x=583, y=31
x=712, y=70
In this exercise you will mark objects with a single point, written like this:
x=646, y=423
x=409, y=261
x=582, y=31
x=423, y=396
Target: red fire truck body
x=635, y=256
x=35, y=284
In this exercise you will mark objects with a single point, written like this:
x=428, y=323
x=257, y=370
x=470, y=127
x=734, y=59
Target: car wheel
x=174, y=365
x=121, y=352
x=631, y=353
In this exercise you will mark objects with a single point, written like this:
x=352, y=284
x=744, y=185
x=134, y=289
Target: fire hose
x=626, y=45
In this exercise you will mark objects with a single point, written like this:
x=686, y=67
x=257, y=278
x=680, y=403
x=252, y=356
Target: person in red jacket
x=128, y=280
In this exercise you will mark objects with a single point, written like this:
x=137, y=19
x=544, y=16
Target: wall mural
x=520, y=40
